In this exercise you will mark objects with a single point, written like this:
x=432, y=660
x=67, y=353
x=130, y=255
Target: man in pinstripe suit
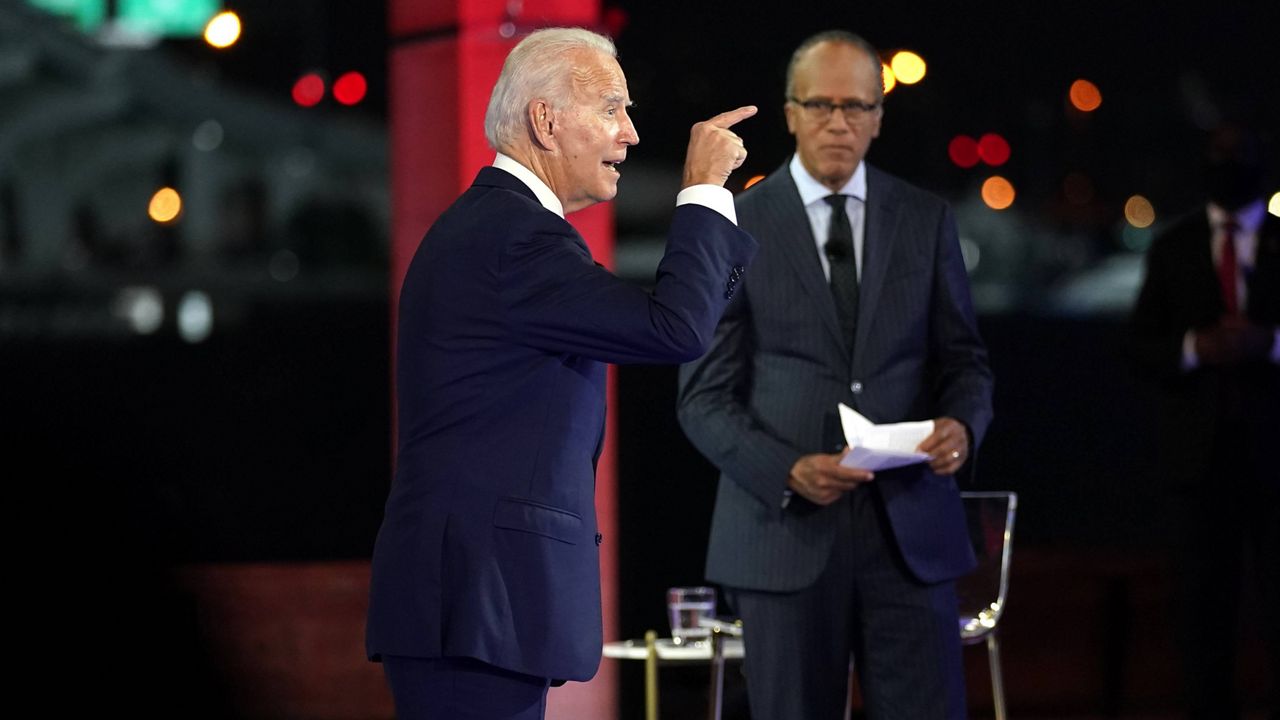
x=859, y=298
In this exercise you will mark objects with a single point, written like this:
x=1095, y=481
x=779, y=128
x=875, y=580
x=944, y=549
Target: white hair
x=539, y=66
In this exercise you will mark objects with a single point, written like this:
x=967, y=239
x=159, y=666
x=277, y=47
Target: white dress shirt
x=812, y=193
x=1248, y=222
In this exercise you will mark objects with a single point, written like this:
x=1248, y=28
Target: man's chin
x=836, y=172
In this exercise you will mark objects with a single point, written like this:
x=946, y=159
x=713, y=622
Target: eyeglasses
x=820, y=110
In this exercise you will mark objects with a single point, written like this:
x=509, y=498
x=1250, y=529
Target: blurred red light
x=308, y=90
x=350, y=88
x=963, y=151
x=993, y=150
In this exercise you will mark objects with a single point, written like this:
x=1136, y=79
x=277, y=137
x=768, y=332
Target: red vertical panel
x=445, y=59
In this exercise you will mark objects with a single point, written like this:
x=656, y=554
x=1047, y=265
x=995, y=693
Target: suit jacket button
x=856, y=387
x=599, y=538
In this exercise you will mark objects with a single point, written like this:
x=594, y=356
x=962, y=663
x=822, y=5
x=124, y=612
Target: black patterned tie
x=844, y=269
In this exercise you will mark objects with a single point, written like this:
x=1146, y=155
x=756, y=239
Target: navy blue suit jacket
x=766, y=392
x=488, y=548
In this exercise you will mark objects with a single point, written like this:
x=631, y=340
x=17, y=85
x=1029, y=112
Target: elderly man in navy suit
x=859, y=295
x=486, y=577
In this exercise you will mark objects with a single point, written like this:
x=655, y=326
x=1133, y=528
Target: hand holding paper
x=879, y=447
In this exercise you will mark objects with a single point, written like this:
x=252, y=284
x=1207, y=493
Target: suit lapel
x=796, y=241
x=880, y=230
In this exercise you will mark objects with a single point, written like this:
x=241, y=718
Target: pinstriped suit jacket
x=766, y=391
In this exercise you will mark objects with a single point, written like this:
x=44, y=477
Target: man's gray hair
x=539, y=66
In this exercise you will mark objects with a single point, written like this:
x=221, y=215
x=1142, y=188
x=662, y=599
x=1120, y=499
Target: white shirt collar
x=534, y=183
x=1249, y=217
x=812, y=191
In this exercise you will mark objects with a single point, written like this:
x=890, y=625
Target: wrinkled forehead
x=596, y=75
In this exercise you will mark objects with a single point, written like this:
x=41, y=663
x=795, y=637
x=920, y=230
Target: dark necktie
x=1227, y=268
x=844, y=269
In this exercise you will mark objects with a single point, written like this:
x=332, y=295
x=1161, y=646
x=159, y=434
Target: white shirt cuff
x=1190, y=361
x=710, y=196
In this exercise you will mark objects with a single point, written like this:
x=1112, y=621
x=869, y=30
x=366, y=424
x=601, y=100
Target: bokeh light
x=1085, y=96
x=993, y=149
x=754, y=179
x=1273, y=207
x=308, y=90
x=350, y=88
x=887, y=77
x=908, y=67
x=1139, y=212
x=997, y=193
x=963, y=151
x=195, y=316
x=165, y=205
x=223, y=30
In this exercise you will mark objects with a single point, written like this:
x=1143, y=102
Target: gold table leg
x=651, y=676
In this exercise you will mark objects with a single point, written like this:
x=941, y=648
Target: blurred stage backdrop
x=195, y=283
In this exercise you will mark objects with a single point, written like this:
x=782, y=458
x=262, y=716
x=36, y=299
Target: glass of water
x=686, y=606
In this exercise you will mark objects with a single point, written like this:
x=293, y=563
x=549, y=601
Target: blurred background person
x=1207, y=328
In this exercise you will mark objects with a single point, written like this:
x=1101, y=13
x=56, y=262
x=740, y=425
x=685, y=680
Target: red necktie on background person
x=1227, y=268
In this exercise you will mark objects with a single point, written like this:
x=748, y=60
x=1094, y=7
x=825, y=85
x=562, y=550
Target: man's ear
x=542, y=124
x=792, y=119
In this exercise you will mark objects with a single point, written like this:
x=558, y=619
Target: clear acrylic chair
x=982, y=592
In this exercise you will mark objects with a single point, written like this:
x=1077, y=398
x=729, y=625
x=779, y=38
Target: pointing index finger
x=733, y=117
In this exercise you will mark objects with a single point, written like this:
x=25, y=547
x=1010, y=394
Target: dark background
x=270, y=441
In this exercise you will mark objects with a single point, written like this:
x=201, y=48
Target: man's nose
x=628, y=136
x=838, y=122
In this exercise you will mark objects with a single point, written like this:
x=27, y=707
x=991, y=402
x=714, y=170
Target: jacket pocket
x=531, y=517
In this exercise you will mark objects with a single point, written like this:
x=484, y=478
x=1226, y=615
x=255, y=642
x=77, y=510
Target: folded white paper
x=879, y=447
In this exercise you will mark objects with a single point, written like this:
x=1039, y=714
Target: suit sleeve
x=963, y=382
x=712, y=409
x=558, y=300
x=1156, y=334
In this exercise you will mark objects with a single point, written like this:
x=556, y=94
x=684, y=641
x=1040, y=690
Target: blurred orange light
x=997, y=193
x=165, y=205
x=908, y=67
x=308, y=90
x=223, y=30
x=1139, y=212
x=350, y=88
x=993, y=149
x=963, y=151
x=886, y=74
x=755, y=179
x=1085, y=96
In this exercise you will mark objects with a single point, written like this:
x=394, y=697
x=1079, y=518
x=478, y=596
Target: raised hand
x=715, y=151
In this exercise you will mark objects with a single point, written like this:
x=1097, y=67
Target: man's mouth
x=613, y=165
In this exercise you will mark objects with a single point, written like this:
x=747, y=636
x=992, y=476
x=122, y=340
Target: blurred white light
x=283, y=266
x=208, y=136
x=195, y=316
x=141, y=307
